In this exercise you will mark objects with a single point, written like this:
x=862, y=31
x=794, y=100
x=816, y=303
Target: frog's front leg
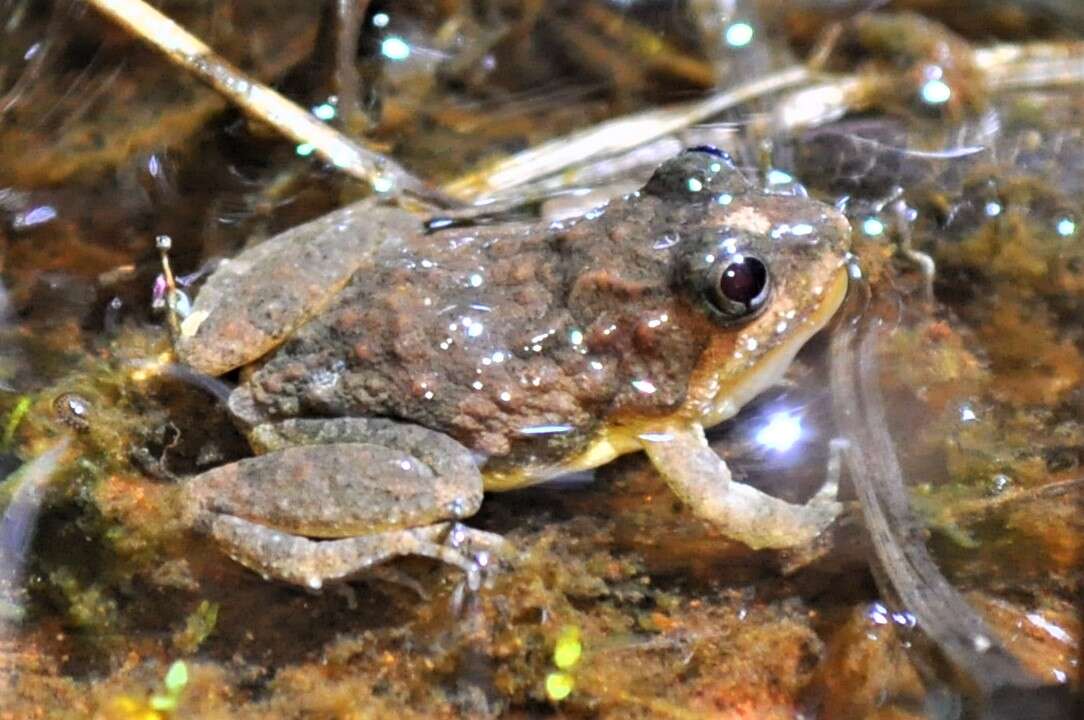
x=702, y=480
x=363, y=492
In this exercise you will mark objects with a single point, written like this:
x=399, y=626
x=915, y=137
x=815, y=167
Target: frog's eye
x=739, y=287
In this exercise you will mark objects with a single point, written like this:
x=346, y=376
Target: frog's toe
x=488, y=551
x=488, y=548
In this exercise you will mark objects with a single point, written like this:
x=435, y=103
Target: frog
x=394, y=369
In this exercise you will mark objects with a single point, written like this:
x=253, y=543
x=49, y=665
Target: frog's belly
x=601, y=450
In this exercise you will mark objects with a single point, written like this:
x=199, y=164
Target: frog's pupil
x=744, y=280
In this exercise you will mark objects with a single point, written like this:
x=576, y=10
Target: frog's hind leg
x=701, y=478
x=329, y=498
x=313, y=563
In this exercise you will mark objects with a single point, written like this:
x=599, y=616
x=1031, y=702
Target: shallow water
x=620, y=603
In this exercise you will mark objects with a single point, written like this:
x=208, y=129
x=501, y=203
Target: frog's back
x=471, y=332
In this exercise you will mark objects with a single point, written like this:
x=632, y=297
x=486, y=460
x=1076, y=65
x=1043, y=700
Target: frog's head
x=766, y=269
x=721, y=283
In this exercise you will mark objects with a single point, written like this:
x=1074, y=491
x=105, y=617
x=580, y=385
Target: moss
x=198, y=626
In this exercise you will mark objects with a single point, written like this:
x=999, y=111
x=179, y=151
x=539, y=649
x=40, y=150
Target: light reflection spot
x=545, y=430
x=1049, y=628
x=656, y=437
x=873, y=227
x=38, y=216
x=778, y=177
x=936, y=92
x=383, y=184
x=325, y=111
x=781, y=433
x=394, y=47
x=739, y=34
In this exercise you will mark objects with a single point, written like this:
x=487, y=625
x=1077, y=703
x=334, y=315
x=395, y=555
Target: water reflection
x=981, y=393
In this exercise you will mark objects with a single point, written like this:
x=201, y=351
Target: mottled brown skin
x=527, y=350
x=394, y=343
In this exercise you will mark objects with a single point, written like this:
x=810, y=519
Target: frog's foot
x=312, y=563
x=700, y=478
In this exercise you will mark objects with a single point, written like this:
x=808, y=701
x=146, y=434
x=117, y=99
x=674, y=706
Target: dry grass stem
x=612, y=137
x=193, y=55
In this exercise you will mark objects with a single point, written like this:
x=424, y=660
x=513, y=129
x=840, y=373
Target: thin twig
x=192, y=54
x=349, y=16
